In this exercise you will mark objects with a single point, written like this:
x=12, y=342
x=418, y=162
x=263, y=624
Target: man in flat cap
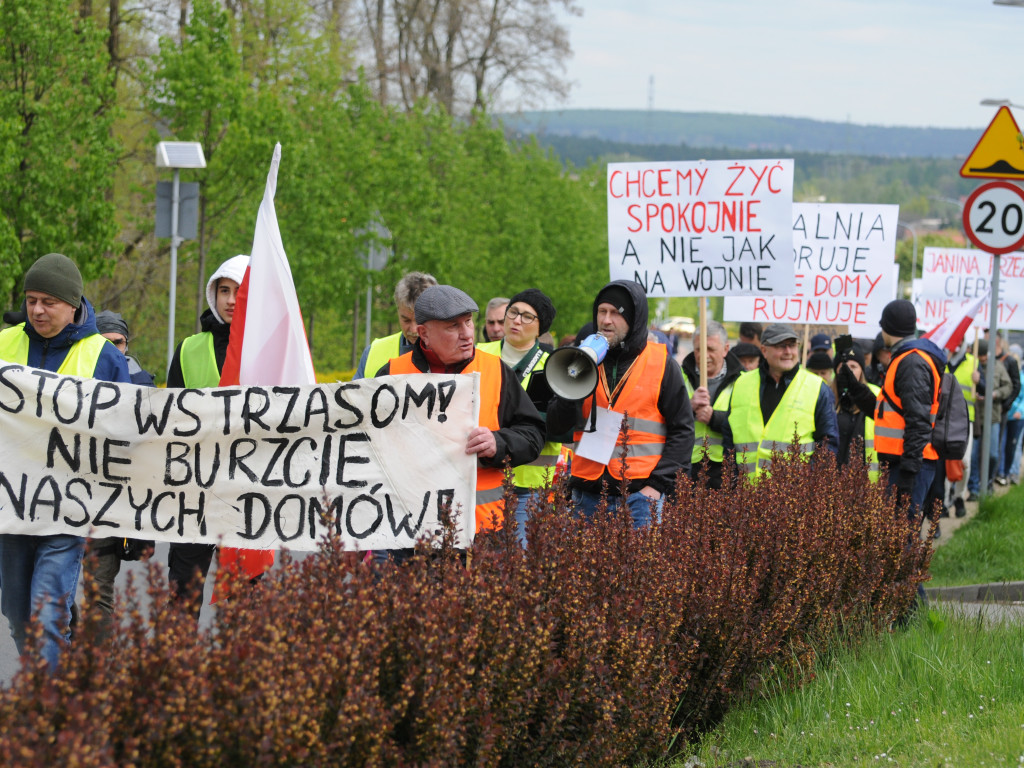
x=775, y=401
x=637, y=379
x=59, y=335
x=527, y=315
x=510, y=426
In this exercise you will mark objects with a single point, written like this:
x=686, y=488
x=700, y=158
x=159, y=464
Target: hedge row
x=597, y=645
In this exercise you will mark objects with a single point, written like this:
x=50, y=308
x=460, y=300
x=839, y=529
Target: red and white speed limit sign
x=994, y=217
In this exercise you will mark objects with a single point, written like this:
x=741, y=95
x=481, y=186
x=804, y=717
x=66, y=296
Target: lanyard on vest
x=528, y=369
x=603, y=382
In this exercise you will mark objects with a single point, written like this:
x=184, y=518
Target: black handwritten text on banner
x=252, y=467
x=718, y=228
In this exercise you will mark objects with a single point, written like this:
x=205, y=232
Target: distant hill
x=743, y=132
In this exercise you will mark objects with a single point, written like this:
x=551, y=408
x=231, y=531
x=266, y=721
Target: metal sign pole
x=986, y=425
x=174, y=269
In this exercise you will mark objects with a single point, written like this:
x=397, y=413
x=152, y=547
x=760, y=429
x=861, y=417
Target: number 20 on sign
x=994, y=217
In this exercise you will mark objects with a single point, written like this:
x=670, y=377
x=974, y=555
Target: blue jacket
x=48, y=354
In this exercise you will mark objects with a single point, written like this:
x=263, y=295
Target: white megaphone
x=572, y=371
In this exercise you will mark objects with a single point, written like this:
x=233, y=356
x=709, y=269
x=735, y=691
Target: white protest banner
x=843, y=256
x=953, y=277
x=253, y=467
x=719, y=228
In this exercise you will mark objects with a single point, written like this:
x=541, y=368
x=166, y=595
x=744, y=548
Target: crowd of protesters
x=756, y=395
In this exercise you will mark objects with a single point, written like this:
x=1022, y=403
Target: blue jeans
x=1011, y=448
x=522, y=515
x=639, y=506
x=922, y=483
x=974, y=482
x=40, y=573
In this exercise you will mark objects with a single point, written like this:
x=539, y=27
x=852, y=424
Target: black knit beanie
x=855, y=354
x=899, y=318
x=541, y=305
x=819, y=361
x=618, y=297
x=111, y=322
x=55, y=274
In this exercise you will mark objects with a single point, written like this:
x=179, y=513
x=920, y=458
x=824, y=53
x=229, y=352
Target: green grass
x=947, y=691
x=988, y=548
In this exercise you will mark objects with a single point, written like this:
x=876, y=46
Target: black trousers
x=187, y=566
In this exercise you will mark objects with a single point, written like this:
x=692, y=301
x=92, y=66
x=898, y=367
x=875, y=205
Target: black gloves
x=905, y=484
x=859, y=393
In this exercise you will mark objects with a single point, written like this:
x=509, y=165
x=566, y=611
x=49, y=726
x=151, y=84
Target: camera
x=844, y=347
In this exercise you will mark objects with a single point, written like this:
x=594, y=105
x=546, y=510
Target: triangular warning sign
x=999, y=153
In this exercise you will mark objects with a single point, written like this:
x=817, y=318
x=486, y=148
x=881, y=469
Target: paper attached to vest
x=599, y=445
x=254, y=467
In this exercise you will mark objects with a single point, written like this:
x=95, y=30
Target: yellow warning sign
x=999, y=153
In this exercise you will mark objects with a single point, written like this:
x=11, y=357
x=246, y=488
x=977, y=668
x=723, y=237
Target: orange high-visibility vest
x=637, y=396
x=889, y=422
x=489, y=492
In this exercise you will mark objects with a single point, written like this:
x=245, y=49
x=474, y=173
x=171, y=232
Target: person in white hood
x=196, y=364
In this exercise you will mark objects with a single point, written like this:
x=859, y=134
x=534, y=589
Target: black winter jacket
x=673, y=403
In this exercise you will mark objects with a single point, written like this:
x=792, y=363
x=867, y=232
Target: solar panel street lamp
x=176, y=211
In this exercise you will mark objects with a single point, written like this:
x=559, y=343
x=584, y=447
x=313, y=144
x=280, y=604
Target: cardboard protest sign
x=843, y=257
x=255, y=467
x=719, y=228
x=952, y=277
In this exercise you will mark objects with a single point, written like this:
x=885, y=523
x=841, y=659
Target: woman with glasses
x=529, y=315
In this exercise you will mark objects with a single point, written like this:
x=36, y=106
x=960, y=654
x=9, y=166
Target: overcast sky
x=877, y=62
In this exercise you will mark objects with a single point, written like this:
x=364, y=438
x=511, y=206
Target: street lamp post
x=1001, y=102
x=176, y=155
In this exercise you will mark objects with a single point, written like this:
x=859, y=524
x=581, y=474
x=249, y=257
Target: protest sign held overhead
x=952, y=277
x=708, y=228
x=843, y=257
x=252, y=467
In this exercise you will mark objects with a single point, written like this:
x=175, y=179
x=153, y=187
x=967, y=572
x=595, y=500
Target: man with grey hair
x=711, y=403
x=383, y=349
x=494, y=319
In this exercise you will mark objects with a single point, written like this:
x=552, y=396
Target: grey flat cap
x=776, y=333
x=443, y=302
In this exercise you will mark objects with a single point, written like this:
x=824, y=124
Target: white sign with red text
x=707, y=228
x=843, y=257
x=952, y=277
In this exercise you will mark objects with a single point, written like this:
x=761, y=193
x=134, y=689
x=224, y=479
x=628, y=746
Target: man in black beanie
x=638, y=379
x=906, y=406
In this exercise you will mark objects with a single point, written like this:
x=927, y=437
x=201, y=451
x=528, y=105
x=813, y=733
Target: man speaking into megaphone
x=637, y=379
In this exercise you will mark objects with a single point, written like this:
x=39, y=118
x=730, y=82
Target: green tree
x=57, y=153
x=905, y=249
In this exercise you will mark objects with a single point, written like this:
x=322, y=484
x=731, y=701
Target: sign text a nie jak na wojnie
x=253, y=467
x=707, y=228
